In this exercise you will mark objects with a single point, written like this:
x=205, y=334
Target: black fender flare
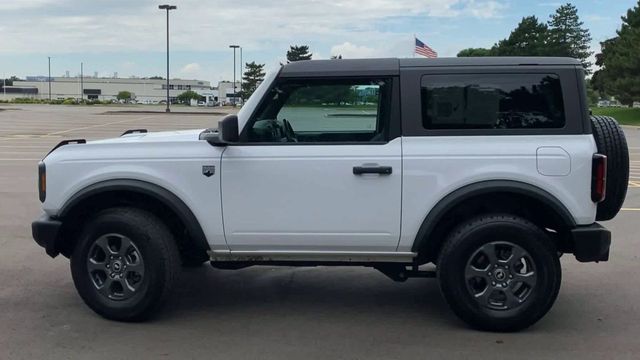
x=166, y=197
x=458, y=196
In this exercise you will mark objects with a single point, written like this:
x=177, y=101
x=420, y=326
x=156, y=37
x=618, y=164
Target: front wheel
x=124, y=264
x=499, y=272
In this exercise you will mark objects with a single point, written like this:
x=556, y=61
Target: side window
x=492, y=101
x=318, y=111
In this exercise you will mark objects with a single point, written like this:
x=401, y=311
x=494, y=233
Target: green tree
x=252, y=77
x=298, y=53
x=474, y=52
x=9, y=81
x=124, y=96
x=529, y=38
x=187, y=96
x=156, y=77
x=619, y=61
x=567, y=36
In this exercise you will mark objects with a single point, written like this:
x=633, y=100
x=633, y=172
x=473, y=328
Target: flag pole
x=414, y=46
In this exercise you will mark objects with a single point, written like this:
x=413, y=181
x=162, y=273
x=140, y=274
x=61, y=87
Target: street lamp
x=168, y=8
x=49, y=79
x=234, y=47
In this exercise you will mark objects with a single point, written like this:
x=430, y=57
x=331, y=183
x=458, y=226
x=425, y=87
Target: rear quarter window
x=492, y=101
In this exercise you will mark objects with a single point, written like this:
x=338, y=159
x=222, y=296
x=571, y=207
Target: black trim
x=584, y=103
x=159, y=193
x=591, y=243
x=134, y=131
x=343, y=67
x=485, y=187
x=381, y=170
x=45, y=233
x=67, y=142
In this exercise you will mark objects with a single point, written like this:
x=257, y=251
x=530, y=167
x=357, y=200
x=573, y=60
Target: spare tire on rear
x=612, y=143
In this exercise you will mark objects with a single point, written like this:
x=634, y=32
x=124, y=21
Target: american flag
x=424, y=50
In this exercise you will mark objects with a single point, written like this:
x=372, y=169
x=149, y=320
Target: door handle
x=380, y=170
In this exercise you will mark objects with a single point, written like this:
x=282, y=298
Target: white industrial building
x=91, y=88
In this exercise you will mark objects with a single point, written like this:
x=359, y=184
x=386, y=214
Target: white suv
x=488, y=168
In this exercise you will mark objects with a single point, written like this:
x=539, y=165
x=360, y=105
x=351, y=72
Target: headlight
x=42, y=181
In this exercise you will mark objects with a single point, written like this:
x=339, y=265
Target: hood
x=162, y=136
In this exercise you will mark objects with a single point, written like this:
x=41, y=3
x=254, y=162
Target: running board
x=312, y=256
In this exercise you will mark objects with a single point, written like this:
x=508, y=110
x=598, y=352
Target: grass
x=625, y=116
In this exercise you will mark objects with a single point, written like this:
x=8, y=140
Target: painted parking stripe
x=630, y=209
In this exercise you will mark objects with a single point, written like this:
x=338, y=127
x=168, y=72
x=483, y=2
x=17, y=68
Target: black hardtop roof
x=391, y=66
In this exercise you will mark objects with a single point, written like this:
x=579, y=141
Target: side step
x=312, y=256
x=400, y=273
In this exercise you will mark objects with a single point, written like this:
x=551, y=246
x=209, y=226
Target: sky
x=129, y=36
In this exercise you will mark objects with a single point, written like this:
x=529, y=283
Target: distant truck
x=489, y=169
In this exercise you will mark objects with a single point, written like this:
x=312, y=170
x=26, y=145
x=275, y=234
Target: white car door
x=319, y=169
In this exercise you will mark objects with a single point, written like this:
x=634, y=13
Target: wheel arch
x=527, y=200
x=135, y=193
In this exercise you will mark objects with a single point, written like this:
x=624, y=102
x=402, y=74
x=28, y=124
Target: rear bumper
x=45, y=232
x=591, y=243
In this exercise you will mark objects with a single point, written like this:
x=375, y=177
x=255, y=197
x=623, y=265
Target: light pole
x=81, y=81
x=168, y=8
x=234, y=47
x=49, y=78
x=241, y=72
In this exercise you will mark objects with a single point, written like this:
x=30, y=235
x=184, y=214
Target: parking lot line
x=98, y=125
x=630, y=209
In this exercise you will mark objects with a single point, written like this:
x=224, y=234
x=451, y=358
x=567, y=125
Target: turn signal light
x=599, y=178
x=42, y=181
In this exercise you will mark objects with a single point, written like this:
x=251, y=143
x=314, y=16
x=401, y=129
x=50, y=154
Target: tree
x=187, y=96
x=567, y=37
x=298, y=53
x=156, y=77
x=336, y=57
x=474, y=52
x=619, y=61
x=529, y=38
x=252, y=77
x=125, y=96
x=9, y=81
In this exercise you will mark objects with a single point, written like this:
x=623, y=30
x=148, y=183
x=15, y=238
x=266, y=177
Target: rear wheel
x=499, y=272
x=125, y=264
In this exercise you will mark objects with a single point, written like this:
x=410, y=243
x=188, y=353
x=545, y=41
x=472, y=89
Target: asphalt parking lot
x=280, y=313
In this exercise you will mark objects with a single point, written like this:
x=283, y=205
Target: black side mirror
x=227, y=132
x=228, y=128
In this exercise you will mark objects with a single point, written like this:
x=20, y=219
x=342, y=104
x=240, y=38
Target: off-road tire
x=161, y=263
x=461, y=245
x=611, y=142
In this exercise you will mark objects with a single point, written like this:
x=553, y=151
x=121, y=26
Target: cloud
x=69, y=26
x=10, y=5
x=349, y=50
x=192, y=70
x=486, y=9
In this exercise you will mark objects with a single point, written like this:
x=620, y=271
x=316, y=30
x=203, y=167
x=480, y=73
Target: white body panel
x=306, y=197
x=435, y=166
x=171, y=160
